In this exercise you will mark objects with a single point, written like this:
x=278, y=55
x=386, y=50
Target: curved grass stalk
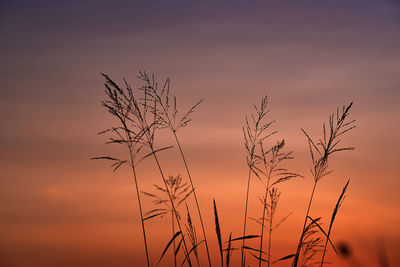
x=150, y=141
x=280, y=175
x=262, y=225
x=125, y=106
x=321, y=151
x=297, y=255
x=169, y=196
x=180, y=191
x=274, y=197
x=170, y=121
x=173, y=232
x=335, y=210
x=195, y=196
x=140, y=209
x=118, y=108
x=253, y=135
x=245, y=217
x=264, y=205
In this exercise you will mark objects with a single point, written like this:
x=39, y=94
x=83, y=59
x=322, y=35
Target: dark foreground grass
x=142, y=113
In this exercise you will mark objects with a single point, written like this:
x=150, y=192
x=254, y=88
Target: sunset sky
x=60, y=208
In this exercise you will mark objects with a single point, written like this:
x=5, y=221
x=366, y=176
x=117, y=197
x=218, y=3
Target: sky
x=60, y=208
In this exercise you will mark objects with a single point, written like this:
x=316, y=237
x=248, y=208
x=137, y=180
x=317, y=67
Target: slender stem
x=326, y=244
x=269, y=240
x=245, y=215
x=158, y=100
x=251, y=152
x=172, y=203
x=194, y=194
x=263, y=217
x=262, y=228
x=338, y=204
x=296, y=258
x=173, y=233
x=140, y=204
x=149, y=137
x=222, y=259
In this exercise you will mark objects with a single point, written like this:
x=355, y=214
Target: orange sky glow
x=60, y=208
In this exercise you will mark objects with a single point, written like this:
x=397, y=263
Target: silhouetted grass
x=179, y=192
x=218, y=232
x=191, y=232
x=335, y=211
x=122, y=103
x=139, y=125
x=168, y=117
x=275, y=174
x=140, y=118
x=321, y=151
x=254, y=133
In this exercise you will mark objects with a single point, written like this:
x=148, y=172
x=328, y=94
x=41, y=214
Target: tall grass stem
x=172, y=203
x=140, y=206
x=263, y=220
x=194, y=194
x=296, y=257
x=245, y=216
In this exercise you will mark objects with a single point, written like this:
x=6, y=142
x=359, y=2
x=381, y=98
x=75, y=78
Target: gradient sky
x=59, y=208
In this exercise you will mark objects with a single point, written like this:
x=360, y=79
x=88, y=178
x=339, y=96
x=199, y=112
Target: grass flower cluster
x=143, y=112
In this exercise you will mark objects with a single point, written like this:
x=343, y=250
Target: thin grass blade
x=169, y=244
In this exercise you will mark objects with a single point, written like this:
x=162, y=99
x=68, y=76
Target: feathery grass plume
x=321, y=152
x=334, y=213
x=137, y=117
x=218, y=232
x=271, y=160
x=179, y=191
x=165, y=108
x=254, y=132
x=191, y=232
x=167, y=115
x=148, y=105
x=123, y=105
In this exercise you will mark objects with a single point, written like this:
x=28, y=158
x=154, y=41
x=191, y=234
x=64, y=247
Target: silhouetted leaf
x=245, y=237
x=154, y=215
x=190, y=251
x=285, y=258
x=258, y=258
x=218, y=231
x=154, y=152
x=169, y=243
x=178, y=247
x=322, y=230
